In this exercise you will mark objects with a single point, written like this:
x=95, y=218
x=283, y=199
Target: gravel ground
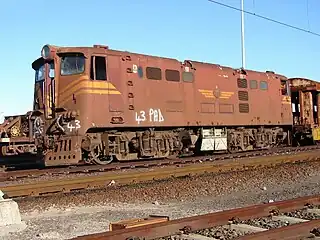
x=266, y=222
x=66, y=216
x=220, y=233
x=227, y=232
x=54, y=176
x=77, y=175
x=303, y=213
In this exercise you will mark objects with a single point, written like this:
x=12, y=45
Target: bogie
x=104, y=147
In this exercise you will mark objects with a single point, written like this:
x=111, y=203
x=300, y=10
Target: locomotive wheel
x=232, y=150
x=15, y=131
x=96, y=156
x=102, y=160
x=94, y=150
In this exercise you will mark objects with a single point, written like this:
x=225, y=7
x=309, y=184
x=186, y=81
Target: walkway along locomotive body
x=94, y=104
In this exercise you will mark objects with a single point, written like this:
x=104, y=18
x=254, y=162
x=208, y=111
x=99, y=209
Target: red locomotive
x=94, y=105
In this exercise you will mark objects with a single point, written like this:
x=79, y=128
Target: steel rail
x=47, y=187
x=191, y=224
x=33, y=173
x=291, y=232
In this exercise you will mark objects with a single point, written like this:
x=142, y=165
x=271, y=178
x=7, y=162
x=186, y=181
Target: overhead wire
x=266, y=18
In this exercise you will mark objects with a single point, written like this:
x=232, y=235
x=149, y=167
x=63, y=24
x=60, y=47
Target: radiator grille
x=242, y=83
x=243, y=107
x=243, y=95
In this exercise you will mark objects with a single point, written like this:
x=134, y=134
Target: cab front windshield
x=40, y=73
x=72, y=64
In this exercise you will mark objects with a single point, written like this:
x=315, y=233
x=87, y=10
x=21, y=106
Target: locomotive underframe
x=101, y=146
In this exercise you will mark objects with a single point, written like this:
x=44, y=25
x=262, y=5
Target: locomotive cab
x=69, y=83
x=55, y=68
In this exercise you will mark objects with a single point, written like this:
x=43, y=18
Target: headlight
x=45, y=52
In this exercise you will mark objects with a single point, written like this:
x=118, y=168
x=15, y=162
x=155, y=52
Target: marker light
x=45, y=52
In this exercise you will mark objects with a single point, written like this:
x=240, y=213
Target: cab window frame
x=172, y=75
x=39, y=66
x=187, y=77
x=287, y=87
x=254, y=84
x=154, y=73
x=80, y=56
x=93, y=69
x=261, y=86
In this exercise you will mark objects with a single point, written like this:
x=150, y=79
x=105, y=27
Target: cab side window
x=98, y=70
x=263, y=85
x=72, y=64
x=284, y=88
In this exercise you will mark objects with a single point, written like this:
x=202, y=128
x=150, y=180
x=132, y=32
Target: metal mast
x=242, y=36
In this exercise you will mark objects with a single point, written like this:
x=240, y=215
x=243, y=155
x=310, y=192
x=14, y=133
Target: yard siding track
x=48, y=187
x=181, y=228
x=35, y=173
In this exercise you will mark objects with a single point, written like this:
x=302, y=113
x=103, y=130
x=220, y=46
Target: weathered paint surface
x=211, y=99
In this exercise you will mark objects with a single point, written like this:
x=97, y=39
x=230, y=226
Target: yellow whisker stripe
x=84, y=84
x=91, y=91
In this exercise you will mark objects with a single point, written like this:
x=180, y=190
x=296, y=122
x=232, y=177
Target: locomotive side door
x=106, y=71
x=38, y=102
x=49, y=90
x=115, y=85
x=189, y=93
x=44, y=90
x=99, y=98
x=286, y=108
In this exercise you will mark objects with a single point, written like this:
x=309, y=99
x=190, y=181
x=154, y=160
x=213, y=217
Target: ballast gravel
x=303, y=213
x=70, y=215
x=222, y=233
x=267, y=223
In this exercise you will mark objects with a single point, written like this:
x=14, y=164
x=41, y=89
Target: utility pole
x=242, y=36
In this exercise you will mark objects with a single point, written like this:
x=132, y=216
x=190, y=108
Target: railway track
x=65, y=185
x=291, y=219
x=34, y=173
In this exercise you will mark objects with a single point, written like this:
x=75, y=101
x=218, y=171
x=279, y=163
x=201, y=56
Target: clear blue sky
x=182, y=29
